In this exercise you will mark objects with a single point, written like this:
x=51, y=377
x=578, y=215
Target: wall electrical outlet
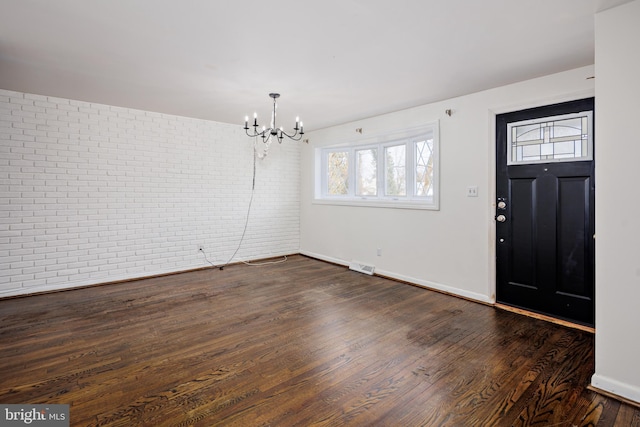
x=472, y=191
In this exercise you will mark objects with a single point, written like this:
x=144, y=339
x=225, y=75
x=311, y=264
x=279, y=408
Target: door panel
x=573, y=203
x=545, y=249
x=523, y=246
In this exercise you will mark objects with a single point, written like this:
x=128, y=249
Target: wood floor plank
x=627, y=416
x=302, y=343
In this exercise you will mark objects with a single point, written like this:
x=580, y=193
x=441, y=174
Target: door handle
x=501, y=218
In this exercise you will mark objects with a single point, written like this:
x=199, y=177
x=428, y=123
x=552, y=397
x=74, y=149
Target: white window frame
x=380, y=142
x=354, y=169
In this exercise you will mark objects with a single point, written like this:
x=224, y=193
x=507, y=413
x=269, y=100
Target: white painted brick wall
x=92, y=193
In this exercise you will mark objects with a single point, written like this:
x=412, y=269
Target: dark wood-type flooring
x=302, y=343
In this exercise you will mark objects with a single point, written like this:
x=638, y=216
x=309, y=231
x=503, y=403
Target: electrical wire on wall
x=246, y=223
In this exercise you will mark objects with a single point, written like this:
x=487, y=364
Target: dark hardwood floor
x=303, y=343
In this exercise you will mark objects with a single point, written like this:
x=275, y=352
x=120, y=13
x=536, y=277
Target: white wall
x=91, y=193
x=451, y=249
x=618, y=201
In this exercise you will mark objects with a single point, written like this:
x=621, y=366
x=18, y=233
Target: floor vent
x=362, y=268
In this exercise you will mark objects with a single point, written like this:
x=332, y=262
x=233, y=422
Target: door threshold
x=546, y=318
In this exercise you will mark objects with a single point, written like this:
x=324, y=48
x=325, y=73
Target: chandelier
x=273, y=130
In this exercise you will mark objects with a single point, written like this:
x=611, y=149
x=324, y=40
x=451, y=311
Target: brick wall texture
x=92, y=193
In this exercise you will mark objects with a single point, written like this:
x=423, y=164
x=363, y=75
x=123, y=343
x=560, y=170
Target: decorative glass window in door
x=566, y=138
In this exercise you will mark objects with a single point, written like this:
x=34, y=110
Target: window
x=367, y=172
x=398, y=170
x=566, y=138
x=395, y=162
x=337, y=173
x=424, y=168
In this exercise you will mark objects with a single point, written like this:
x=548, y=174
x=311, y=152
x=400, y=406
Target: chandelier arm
x=255, y=133
x=288, y=135
x=298, y=135
x=265, y=133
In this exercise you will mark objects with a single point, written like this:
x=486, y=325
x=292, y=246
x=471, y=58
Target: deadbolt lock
x=502, y=203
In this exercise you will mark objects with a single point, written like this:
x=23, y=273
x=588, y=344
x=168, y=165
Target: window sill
x=393, y=204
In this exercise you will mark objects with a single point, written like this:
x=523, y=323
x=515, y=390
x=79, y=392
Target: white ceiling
x=333, y=61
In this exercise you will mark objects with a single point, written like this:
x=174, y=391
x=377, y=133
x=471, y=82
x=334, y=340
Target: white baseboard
x=615, y=387
x=114, y=278
x=325, y=258
x=93, y=281
x=437, y=286
x=419, y=282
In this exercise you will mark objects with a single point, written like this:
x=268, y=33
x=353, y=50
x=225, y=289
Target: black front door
x=545, y=210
